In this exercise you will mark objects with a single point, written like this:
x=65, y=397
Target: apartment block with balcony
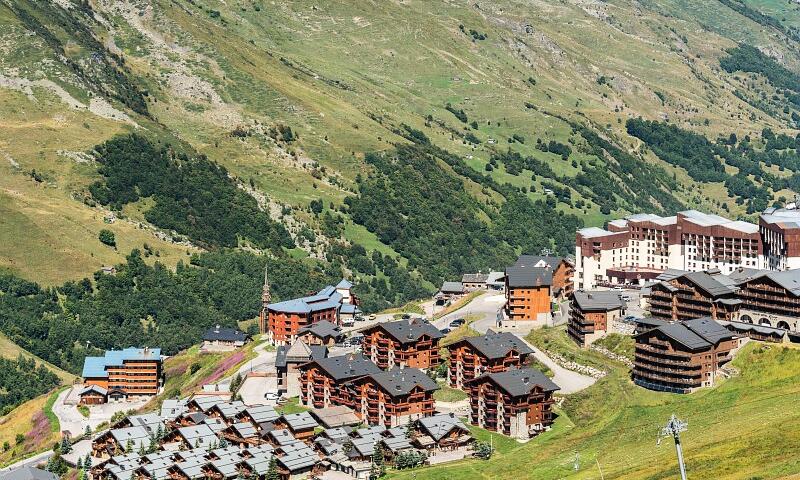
x=321, y=380
x=593, y=314
x=392, y=398
x=405, y=343
x=529, y=293
x=494, y=352
x=120, y=374
x=517, y=402
x=680, y=357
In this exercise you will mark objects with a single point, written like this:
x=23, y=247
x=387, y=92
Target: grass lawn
x=292, y=406
x=618, y=343
x=740, y=429
x=447, y=394
x=463, y=331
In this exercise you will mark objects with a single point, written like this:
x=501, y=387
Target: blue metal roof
x=344, y=285
x=326, y=298
x=95, y=367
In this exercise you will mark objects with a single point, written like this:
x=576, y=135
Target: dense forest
x=192, y=195
x=21, y=380
x=704, y=160
x=145, y=305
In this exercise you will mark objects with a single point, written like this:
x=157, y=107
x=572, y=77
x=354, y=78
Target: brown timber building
x=494, y=352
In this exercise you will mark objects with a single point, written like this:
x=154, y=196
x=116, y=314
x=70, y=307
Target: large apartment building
x=780, y=237
x=517, y=402
x=494, y=352
x=680, y=357
x=120, y=374
x=638, y=248
x=392, y=398
x=404, y=343
x=758, y=297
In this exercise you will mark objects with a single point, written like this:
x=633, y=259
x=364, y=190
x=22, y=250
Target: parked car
x=457, y=323
x=348, y=323
x=630, y=319
x=372, y=317
x=406, y=316
x=445, y=331
x=272, y=396
x=625, y=297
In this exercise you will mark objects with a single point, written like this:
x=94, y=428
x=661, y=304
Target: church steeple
x=265, y=299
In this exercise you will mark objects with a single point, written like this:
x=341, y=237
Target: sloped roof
x=345, y=367
x=28, y=473
x=474, y=278
x=94, y=388
x=325, y=299
x=517, y=382
x=322, y=329
x=528, y=276
x=223, y=334
x=598, y=301
x=301, y=353
x=95, y=367
x=452, y=287
x=261, y=413
x=401, y=381
x=335, y=416
x=440, y=425
x=497, y=345
x=541, y=261
x=408, y=331
x=299, y=421
x=714, y=285
x=344, y=285
x=709, y=329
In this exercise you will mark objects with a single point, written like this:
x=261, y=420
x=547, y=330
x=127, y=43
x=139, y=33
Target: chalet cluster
x=282, y=321
x=211, y=439
x=680, y=357
x=533, y=283
x=120, y=374
x=505, y=396
x=387, y=387
x=760, y=304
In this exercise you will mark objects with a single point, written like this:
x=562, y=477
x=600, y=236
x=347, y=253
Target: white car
x=271, y=396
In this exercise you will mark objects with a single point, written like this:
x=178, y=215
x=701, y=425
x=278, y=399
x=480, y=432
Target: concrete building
x=528, y=293
x=780, y=236
x=517, y=402
x=287, y=364
x=638, y=248
x=593, y=314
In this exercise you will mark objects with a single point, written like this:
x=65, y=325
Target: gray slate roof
x=223, y=334
x=452, y=287
x=497, y=345
x=299, y=421
x=598, y=301
x=517, y=382
x=346, y=367
x=322, y=329
x=528, y=276
x=440, y=425
x=474, y=278
x=408, y=331
x=538, y=261
x=307, y=353
x=697, y=334
x=28, y=473
x=400, y=381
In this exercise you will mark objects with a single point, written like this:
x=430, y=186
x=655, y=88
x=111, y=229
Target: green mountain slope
x=531, y=97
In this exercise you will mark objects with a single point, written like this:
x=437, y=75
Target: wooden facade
x=404, y=343
x=492, y=353
x=680, y=359
x=527, y=303
x=517, y=403
x=392, y=398
x=592, y=315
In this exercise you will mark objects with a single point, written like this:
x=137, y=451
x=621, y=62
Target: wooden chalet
x=517, y=402
x=321, y=380
x=393, y=397
x=494, y=352
x=405, y=343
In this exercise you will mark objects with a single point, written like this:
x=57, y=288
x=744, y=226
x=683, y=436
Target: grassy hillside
x=741, y=429
x=35, y=422
x=11, y=350
x=291, y=97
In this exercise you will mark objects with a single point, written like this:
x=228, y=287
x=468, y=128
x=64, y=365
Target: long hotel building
x=640, y=247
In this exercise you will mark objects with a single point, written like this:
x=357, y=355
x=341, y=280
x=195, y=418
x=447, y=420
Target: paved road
x=487, y=306
x=71, y=420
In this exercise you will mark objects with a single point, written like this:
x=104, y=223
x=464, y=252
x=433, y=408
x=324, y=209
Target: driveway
x=75, y=423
